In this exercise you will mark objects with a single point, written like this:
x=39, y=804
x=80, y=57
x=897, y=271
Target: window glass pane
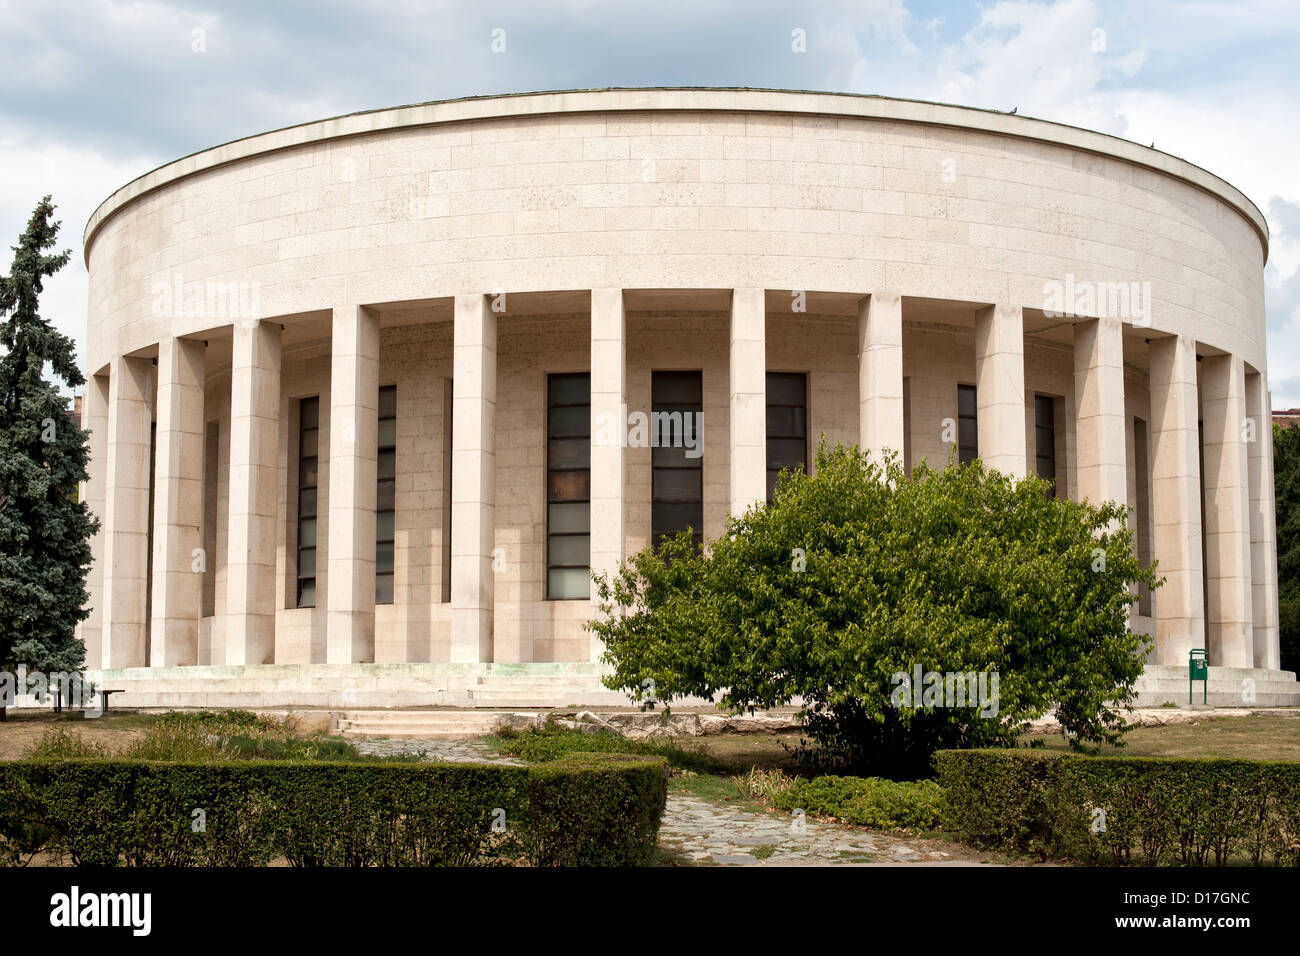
x=786, y=452
x=967, y=433
x=668, y=518
x=570, y=549
x=306, y=532
x=385, y=497
x=678, y=484
x=786, y=388
x=569, y=486
x=387, y=465
x=676, y=427
x=384, y=557
x=383, y=589
x=676, y=388
x=569, y=517
x=307, y=502
x=384, y=526
x=387, y=432
x=572, y=389
x=786, y=422
x=307, y=476
x=309, y=413
x=675, y=458
x=307, y=592
x=1043, y=411
x=570, y=453
x=388, y=401
x=570, y=421
x=307, y=563
x=966, y=400
x=771, y=482
x=308, y=448
x=568, y=583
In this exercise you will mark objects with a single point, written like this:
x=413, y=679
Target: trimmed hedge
x=588, y=810
x=1151, y=810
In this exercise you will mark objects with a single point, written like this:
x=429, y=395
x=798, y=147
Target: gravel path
x=697, y=831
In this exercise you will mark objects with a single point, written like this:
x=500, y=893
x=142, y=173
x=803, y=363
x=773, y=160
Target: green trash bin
x=1198, y=669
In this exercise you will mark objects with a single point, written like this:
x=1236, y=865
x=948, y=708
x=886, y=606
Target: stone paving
x=697, y=831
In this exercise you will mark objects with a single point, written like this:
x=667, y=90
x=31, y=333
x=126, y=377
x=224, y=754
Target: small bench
x=104, y=694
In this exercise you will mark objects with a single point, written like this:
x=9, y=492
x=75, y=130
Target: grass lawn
x=1256, y=737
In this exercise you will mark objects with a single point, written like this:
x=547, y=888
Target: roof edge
x=675, y=99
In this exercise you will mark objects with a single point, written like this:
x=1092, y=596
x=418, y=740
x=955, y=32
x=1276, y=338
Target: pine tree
x=44, y=530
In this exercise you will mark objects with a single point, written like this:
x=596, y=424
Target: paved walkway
x=698, y=831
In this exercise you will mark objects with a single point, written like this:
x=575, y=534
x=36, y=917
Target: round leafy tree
x=906, y=612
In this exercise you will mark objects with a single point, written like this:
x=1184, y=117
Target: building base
x=1226, y=687
x=540, y=686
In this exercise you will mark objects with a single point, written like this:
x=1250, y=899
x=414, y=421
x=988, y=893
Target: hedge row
x=1152, y=810
x=591, y=810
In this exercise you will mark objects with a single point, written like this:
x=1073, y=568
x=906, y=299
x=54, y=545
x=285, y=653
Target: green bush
x=538, y=744
x=587, y=810
x=867, y=801
x=1152, y=810
x=858, y=575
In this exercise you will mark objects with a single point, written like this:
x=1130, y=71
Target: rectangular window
x=677, y=465
x=787, y=424
x=1142, y=508
x=1045, y=438
x=568, y=486
x=308, y=463
x=386, y=495
x=968, y=445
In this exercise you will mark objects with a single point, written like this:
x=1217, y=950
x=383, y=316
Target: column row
x=1219, y=576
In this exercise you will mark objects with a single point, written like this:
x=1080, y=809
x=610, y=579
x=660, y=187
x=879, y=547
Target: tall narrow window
x=676, y=454
x=968, y=445
x=386, y=495
x=1142, y=508
x=568, y=486
x=1045, y=438
x=308, y=476
x=787, y=424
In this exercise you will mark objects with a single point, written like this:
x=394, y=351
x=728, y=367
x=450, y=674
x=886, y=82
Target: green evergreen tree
x=1286, y=482
x=44, y=530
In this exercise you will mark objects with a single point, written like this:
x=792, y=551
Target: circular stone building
x=371, y=397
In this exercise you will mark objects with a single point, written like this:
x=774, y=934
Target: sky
x=93, y=93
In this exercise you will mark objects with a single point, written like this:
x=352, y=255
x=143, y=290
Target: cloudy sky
x=95, y=92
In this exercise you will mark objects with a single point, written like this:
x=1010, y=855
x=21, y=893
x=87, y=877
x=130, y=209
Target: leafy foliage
x=44, y=531
x=1286, y=482
x=862, y=572
x=1153, y=810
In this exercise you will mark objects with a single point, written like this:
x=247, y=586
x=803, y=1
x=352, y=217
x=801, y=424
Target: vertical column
x=1000, y=388
x=94, y=411
x=354, y=437
x=608, y=421
x=251, y=540
x=1263, y=531
x=748, y=387
x=880, y=374
x=1176, y=499
x=1100, y=426
x=178, y=504
x=126, y=514
x=473, y=479
x=1227, y=513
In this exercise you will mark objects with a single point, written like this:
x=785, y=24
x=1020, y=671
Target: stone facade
x=1101, y=294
